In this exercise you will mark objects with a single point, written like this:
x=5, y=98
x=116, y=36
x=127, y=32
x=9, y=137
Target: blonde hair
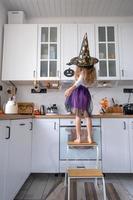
x=89, y=74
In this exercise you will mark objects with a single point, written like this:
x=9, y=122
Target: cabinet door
x=131, y=142
x=89, y=29
x=45, y=149
x=49, y=52
x=17, y=161
x=20, y=52
x=115, y=145
x=107, y=52
x=126, y=49
x=4, y=141
x=27, y=146
x=68, y=47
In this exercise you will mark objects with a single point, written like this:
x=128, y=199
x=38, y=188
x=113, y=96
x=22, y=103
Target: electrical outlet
x=128, y=90
x=42, y=90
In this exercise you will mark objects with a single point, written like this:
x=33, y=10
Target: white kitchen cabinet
x=4, y=142
x=126, y=49
x=89, y=29
x=131, y=142
x=68, y=47
x=19, y=52
x=115, y=145
x=48, y=52
x=107, y=52
x=19, y=156
x=45, y=146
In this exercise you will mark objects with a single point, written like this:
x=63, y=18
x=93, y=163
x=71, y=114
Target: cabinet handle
x=34, y=74
x=122, y=72
x=31, y=128
x=124, y=125
x=54, y=125
x=22, y=124
x=9, y=131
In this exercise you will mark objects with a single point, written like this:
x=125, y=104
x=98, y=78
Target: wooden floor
x=51, y=187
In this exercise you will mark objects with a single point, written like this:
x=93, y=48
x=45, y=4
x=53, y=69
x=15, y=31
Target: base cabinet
x=131, y=142
x=45, y=146
x=15, y=137
x=4, y=143
x=116, y=145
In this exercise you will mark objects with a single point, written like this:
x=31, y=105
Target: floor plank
x=52, y=182
x=36, y=189
x=42, y=187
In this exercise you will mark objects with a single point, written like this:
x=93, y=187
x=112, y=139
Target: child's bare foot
x=89, y=141
x=77, y=140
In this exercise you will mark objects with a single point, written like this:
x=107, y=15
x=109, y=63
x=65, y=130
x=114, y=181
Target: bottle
x=54, y=107
x=42, y=110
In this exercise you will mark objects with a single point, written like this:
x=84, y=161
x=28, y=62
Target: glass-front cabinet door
x=106, y=50
x=49, y=52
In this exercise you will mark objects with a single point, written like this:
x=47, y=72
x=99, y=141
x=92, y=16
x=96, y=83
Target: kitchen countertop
x=70, y=116
x=60, y=116
x=14, y=116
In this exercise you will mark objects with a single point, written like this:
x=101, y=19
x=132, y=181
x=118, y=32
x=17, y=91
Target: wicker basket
x=25, y=108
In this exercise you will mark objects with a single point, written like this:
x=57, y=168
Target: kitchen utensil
x=11, y=107
x=128, y=109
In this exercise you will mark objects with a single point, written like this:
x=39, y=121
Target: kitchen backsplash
x=54, y=96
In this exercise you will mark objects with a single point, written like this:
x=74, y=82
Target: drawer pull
x=22, y=124
x=9, y=130
x=124, y=125
x=31, y=126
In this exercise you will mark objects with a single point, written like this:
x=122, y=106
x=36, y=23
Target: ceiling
x=71, y=8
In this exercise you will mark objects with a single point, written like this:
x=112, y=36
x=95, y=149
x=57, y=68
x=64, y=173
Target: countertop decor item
x=25, y=108
x=11, y=107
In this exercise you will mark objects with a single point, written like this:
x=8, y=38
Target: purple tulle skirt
x=79, y=102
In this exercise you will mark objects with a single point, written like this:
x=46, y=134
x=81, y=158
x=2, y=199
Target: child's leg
x=89, y=129
x=78, y=128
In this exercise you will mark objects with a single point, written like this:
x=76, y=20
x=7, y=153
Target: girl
x=78, y=98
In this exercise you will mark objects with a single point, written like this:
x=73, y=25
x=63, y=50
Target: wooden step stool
x=85, y=173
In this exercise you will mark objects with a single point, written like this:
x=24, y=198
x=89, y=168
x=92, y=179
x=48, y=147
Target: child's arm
x=70, y=90
x=74, y=86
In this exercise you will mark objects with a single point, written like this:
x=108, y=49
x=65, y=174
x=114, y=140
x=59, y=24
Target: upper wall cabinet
x=68, y=48
x=49, y=52
x=107, y=52
x=71, y=40
x=19, y=52
x=126, y=51
x=89, y=29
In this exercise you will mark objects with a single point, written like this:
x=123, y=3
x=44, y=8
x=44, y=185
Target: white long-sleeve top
x=81, y=81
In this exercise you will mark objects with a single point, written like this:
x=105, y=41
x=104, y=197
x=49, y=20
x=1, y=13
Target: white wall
x=57, y=96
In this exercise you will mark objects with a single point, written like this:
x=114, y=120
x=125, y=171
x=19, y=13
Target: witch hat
x=84, y=59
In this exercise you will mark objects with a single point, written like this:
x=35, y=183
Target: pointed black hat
x=84, y=59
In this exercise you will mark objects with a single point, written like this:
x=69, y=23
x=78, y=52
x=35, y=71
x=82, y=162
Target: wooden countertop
x=14, y=116
x=66, y=116
x=60, y=116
